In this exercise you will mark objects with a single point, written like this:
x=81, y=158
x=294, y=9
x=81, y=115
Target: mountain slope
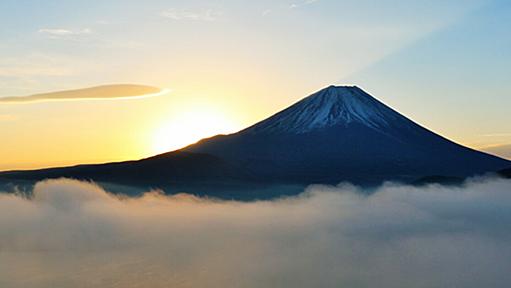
x=329, y=107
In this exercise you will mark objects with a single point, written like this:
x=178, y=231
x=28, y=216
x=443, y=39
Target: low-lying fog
x=75, y=234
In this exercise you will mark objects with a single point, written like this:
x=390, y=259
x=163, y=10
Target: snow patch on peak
x=331, y=106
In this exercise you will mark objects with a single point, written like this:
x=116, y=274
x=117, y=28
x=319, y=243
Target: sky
x=223, y=65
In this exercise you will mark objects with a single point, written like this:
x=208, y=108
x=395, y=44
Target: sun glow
x=189, y=127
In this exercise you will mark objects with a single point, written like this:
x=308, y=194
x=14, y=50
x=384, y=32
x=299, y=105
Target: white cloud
x=58, y=33
x=193, y=15
x=302, y=3
x=74, y=234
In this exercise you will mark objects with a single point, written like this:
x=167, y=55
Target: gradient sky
x=228, y=64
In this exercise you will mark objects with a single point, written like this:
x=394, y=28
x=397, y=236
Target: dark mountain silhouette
x=506, y=173
x=336, y=134
x=342, y=133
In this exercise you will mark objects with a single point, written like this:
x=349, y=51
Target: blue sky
x=76, y=42
x=455, y=80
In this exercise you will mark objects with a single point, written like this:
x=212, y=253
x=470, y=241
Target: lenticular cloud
x=74, y=234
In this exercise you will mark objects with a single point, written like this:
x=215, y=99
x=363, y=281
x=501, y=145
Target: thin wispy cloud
x=192, y=15
x=496, y=135
x=119, y=91
x=58, y=33
x=302, y=3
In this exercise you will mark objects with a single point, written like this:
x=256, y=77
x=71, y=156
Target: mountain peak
x=330, y=106
x=335, y=90
x=339, y=87
x=331, y=95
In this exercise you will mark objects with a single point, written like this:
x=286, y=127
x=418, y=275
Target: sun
x=189, y=127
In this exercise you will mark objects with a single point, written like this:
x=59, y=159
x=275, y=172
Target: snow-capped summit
x=331, y=106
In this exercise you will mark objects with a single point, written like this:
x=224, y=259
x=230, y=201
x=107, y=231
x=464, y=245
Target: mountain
x=343, y=133
x=339, y=133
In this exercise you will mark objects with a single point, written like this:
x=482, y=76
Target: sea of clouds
x=75, y=234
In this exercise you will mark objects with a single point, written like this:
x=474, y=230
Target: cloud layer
x=97, y=92
x=74, y=234
x=193, y=15
x=57, y=33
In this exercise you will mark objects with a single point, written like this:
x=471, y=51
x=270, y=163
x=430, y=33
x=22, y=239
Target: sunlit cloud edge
x=13, y=100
